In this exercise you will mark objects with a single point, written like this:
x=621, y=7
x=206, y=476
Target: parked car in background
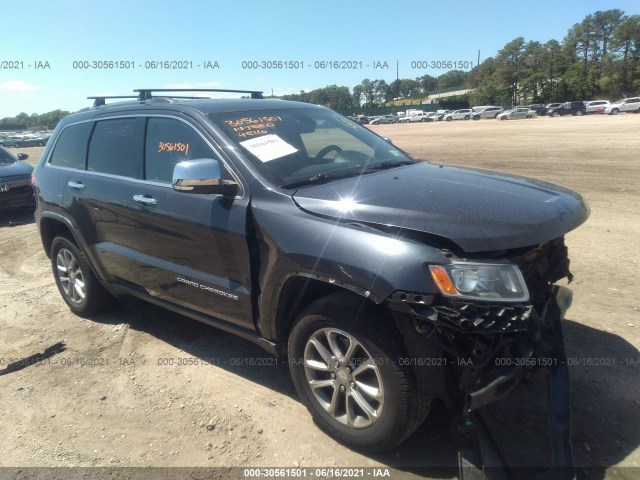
x=463, y=114
x=421, y=117
x=623, y=105
x=15, y=181
x=552, y=105
x=539, y=108
x=568, y=108
x=596, y=106
x=486, y=112
x=24, y=140
x=517, y=113
x=440, y=114
x=384, y=119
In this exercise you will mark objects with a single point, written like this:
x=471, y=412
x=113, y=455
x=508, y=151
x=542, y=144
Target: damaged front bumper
x=489, y=349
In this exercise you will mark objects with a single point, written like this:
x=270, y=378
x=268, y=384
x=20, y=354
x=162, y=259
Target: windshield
x=294, y=146
x=6, y=157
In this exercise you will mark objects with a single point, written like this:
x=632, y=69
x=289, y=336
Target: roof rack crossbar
x=100, y=100
x=146, y=93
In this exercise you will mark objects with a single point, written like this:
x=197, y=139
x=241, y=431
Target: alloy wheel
x=344, y=378
x=71, y=276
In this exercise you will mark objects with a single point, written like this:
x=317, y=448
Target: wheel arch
x=298, y=292
x=51, y=226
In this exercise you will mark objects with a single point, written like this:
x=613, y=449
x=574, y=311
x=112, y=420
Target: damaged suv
x=386, y=282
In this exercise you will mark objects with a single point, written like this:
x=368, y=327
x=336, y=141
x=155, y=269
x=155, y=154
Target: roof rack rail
x=100, y=100
x=146, y=93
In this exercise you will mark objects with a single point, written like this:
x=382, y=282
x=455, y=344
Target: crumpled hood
x=14, y=169
x=478, y=210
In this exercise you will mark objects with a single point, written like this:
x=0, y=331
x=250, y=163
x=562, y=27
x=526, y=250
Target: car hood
x=14, y=169
x=478, y=210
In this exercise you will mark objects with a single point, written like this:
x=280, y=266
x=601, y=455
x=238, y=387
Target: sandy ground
x=139, y=387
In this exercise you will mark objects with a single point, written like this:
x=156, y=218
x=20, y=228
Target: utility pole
x=398, y=77
x=478, y=58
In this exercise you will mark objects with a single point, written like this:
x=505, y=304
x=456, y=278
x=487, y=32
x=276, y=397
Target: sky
x=55, y=54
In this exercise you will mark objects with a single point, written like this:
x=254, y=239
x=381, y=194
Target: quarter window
x=169, y=142
x=71, y=148
x=112, y=148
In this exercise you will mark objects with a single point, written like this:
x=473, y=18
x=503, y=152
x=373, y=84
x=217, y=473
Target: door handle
x=145, y=199
x=76, y=185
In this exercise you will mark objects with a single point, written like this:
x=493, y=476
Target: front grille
x=20, y=196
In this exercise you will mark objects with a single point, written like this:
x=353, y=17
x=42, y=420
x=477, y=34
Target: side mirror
x=202, y=175
x=22, y=156
x=387, y=139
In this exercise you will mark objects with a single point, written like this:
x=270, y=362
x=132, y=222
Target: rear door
x=188, y=249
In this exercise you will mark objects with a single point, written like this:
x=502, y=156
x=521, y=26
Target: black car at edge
x=294, y=227
x=15, y=181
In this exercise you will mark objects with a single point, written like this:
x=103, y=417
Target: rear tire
x=75, y=279
x=345, y=361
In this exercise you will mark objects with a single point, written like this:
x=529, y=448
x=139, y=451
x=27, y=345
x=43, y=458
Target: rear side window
x=71, y=147
x=168, y=142
x=112, y=148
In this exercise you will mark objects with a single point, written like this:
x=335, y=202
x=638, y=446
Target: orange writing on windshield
x=173, y=147
x=250, y=126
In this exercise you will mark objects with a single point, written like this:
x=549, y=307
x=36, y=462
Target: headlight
x=499, y=282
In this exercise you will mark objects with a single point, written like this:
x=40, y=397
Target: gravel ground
x=140, y=387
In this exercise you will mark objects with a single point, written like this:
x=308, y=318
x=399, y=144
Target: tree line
x=35, y=121
x=598, y=58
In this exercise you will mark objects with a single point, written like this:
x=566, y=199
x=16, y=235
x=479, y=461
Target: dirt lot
x=140, y=387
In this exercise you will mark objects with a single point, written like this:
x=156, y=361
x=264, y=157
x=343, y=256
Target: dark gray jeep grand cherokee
x=385, y=281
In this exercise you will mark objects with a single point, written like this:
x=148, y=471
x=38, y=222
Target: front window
x=291, y=147
x=168, y=142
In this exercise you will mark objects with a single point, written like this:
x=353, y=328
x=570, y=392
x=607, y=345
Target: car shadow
x=604, y=380
x=604, y=385
x=14, y=218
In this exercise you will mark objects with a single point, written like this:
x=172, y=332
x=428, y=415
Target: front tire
x=75, y=279
x=346, y=364
x=615, y=111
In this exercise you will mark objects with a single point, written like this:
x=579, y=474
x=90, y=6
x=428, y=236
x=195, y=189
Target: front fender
x=352, y=256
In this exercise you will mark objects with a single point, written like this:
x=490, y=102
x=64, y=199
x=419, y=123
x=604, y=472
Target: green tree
x=511, y=67
x=626, y=42
x=451, y=79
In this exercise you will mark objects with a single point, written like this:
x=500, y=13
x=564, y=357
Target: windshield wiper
x=322, y=177
x=389, y=164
